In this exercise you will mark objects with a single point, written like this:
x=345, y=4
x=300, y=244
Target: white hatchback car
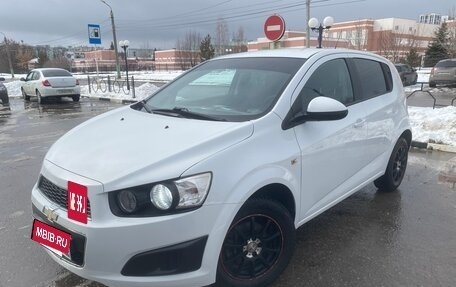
x=50, y=82
x=207, y=179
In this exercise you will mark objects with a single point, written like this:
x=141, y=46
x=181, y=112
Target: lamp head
x=313, y=23
x=328, y=22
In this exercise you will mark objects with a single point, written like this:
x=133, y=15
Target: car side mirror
x=318, y=109
x=22, y=79
x=326, y=109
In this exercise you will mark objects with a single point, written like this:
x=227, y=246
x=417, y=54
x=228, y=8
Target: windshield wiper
x=144, y=105
x=184, y=112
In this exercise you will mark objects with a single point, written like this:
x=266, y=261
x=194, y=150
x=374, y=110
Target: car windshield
x=55, y=73
x=446, y=64
x=226, y=89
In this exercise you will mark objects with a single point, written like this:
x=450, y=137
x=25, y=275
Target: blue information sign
x=94, y=34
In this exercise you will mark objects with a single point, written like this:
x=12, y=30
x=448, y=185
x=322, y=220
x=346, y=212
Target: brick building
x=293, y=39
x=176, y=59
x=391, y=37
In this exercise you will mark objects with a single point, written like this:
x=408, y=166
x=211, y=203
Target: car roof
x=48, y=69
x=304, y=53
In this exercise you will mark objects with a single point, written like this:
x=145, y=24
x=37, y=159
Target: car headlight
x=127, y=201
x=161, y=198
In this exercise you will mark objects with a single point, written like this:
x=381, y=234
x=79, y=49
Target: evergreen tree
x=112, y=46
x=437, y=49
x=207, y=51
x=412, y=58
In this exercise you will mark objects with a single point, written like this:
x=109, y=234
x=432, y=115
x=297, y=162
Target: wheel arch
x=407, y=134
x=277, y=192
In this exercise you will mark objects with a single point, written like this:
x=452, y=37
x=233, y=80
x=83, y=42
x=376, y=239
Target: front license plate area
x=52, y=238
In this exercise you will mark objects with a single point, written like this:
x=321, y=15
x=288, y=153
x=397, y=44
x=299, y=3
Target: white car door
x=28, y=83
x=332, y=152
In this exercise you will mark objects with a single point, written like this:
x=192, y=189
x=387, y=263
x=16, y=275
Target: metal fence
x=111, y=85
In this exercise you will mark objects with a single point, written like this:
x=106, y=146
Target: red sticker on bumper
x=51, y=237
x=77, y=202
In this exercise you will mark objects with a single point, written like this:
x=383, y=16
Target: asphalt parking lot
x=404, y=238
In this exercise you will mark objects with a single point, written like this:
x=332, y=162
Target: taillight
x=46, y=83
x=432, y=71
x=77, y=82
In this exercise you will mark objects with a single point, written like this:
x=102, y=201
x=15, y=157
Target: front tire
x=76, y=98
x=396, y=167
x=258, y=245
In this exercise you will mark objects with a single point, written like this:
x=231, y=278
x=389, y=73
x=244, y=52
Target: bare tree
x=221, y=37
x=358, y=41
x=188, y=50
x=239, y=41
x=59, y=62
x=23, y=55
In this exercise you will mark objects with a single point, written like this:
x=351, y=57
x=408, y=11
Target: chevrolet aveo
x=207, y=179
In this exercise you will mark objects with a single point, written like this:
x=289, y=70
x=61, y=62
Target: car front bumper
x=108, y=243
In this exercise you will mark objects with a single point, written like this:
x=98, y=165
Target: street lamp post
x=8, y=55
x=124, y=45
x=316, y=26
x=114, y=39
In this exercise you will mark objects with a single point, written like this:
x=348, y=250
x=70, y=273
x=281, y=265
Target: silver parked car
x=443, y=73
x=50, y=82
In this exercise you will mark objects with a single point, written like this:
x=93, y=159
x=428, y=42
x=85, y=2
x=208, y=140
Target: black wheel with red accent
x=258, y=245
x=395, y=169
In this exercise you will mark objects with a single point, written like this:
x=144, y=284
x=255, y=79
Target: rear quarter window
x=374, y=78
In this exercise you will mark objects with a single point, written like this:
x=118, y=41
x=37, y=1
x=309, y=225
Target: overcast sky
x=152, y=23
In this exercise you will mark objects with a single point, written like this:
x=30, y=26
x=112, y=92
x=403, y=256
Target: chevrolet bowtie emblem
x=50, y=214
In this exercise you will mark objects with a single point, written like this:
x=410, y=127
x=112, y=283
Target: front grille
x=57, y=194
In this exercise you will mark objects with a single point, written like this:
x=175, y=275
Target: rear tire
x=39, y=97
x=396, y=167
x=25, y=96
x=257, y=246
x=76, y=98
x=432, y=84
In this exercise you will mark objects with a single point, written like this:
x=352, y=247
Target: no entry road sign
x=274, y=27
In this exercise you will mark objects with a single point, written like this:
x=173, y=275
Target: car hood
x=126, y=147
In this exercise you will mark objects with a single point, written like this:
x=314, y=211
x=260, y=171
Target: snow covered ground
x=428, y=125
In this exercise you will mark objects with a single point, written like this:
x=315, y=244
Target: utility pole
x=114, y=38
x=8, y=55
x=307, y=23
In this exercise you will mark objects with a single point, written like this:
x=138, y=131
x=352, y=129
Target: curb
x=119, y=101
x=434, y=146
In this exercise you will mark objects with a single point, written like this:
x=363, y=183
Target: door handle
x=359, y=123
